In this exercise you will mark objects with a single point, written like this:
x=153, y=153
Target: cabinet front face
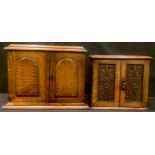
x=106, y=83
x=27, y=77
x=135, y=81
x=67, y=77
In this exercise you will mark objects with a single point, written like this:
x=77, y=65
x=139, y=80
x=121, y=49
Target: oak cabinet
x=41, y=75
x=120, y=81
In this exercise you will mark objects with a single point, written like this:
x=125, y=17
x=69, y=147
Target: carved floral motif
x=134, y=81
x=106, y=82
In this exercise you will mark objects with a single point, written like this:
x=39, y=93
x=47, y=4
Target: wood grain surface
x=41, y=75
x=130, y=87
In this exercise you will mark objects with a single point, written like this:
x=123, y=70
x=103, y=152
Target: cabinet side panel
x=11, y=60
x=146, y=83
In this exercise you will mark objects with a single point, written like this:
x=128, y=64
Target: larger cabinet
x=46, y=76
x=120, y=81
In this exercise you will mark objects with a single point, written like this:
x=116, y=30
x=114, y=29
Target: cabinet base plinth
x=10, y=105
x=77, y=106
x=119, y=108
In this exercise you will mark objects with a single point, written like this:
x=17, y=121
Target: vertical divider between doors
x=123, y=78
x=48, y=76
x=53, y=72
x=51, y=77
x=117, y=82
x=119, y=104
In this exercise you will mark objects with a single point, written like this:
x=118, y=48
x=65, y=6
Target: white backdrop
x=77, y=133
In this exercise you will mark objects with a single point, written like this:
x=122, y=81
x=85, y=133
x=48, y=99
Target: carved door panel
x=134, y=87
x=66, y=78
x=106, y=83
x=28, y=77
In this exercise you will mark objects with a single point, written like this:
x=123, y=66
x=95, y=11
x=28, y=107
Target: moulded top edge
x=45, y=48
x=120, y=57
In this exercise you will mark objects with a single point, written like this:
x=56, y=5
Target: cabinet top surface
x=28, y=47
x=120, y=57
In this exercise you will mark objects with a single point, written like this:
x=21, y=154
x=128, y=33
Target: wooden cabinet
x=46, y=76
x=120, y=81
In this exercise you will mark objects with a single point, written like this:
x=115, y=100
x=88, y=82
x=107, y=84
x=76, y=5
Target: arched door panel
x=27, y=80
x=27, y=77
x=66, y=78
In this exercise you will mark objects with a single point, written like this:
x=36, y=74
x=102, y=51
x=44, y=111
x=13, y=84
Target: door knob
x=123, y=85
x=51, y=77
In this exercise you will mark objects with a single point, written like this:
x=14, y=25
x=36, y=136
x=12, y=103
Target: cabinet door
x=135, y=81
x=106, y=83
x=27, y=77
x=67, y=77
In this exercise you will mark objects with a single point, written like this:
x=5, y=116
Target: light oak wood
x=23, y=80
x=68, y=88
x=10, y=105
x=27, y=47
x=40, y=75
x=120, y=81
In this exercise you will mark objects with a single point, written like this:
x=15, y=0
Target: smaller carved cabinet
x=120, y=81
x=46, y=76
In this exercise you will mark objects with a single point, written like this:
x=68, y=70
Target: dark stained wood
x=120, y=81
x=132, y=57
x=46, y=75
x=119, y=108
x=137, y=83
x=110, y=78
